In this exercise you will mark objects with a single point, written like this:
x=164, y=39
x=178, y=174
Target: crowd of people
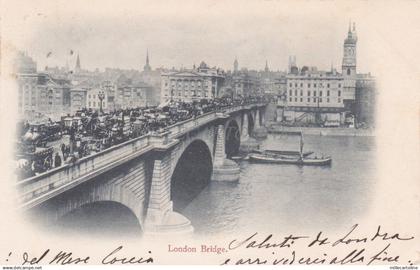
x=89, y=132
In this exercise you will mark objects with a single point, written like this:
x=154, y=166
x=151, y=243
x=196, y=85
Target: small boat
x=264, y=158
x=283, y=152
x=237, y=158
x=289, y=157
x=240, y=157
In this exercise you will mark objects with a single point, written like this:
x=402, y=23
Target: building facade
x=53, y=94
x=365, y=100
x=312, y=94
x=40, y=96
x=77, y=99
x=94, y=98
x=130, y=96
x=321, y=97
x=192, y=85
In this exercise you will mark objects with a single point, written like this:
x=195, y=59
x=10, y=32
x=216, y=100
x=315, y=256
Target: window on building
x=328, y=85
x=290, y=99
x=314, y=84
x=295, y=92
x=290, y=84
x=295, y=99
x=314, y=93
x=339, y=85
x=320, y=93
x=290, y=92
x=328, y=100
x=339, y=100
x=94, y=104
x=89, y=104
x=309, y=93
x=314, y=100
x=320, y=100
x=348, y=71
x=339, y=93
x=309, y=85
x=309, y=100
x=295, y=84
x=301, y=84
x=328, y=93
x=301, y=92
x=301, y=99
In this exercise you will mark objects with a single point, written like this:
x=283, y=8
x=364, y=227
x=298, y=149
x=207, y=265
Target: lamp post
x=101, y=96
x=68, y=122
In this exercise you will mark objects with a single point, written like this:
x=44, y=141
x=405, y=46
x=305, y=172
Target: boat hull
x=294, y=161
x=283, y=153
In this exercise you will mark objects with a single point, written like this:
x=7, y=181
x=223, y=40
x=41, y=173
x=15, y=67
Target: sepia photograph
x=210, y=132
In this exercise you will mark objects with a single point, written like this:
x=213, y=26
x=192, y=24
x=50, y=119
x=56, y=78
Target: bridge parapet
x=40, y=188
x=190, y=124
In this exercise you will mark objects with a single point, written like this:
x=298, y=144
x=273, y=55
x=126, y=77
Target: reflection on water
x=270, y=196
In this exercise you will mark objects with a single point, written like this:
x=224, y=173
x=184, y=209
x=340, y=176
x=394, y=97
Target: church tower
x=349, y=64
x=349, y=54
x=235, y=66
x=147, y=66
x=266, y=69
x=77, y=68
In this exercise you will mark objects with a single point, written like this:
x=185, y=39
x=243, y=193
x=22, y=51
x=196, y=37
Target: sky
x=182, y=33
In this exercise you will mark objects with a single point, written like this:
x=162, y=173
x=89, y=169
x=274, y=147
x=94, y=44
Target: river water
x=268, y=196
x=273, y=196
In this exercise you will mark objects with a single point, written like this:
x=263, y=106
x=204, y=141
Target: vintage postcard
x=210, y=133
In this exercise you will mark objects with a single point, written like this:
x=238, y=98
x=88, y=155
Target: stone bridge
x=154, y=176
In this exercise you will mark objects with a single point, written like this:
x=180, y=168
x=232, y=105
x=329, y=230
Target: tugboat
x=274, y=156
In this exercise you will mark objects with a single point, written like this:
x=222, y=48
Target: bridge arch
x=125, y=188
x=232, y=138
x=192, y=174
x=109, y=218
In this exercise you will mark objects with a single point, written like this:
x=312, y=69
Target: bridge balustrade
x=81, y=170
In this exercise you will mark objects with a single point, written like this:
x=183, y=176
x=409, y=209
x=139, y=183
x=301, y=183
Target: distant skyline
x=183, y=33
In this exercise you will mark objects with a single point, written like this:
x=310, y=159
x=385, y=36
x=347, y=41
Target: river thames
x=273, y=196
x=267, y=196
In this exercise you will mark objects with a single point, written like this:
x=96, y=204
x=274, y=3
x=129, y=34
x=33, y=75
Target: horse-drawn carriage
x=33, y=160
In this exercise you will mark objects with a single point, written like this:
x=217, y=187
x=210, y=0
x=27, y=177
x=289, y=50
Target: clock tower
x=349, y=64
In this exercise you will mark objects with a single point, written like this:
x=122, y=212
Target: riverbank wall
x=321, y=131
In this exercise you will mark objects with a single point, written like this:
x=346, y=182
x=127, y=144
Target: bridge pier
x=260, y=131
x=161, y=218
x=223, y=169
x=247, y=143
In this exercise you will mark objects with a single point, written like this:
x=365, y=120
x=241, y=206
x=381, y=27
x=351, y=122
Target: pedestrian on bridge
x=57, y=160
